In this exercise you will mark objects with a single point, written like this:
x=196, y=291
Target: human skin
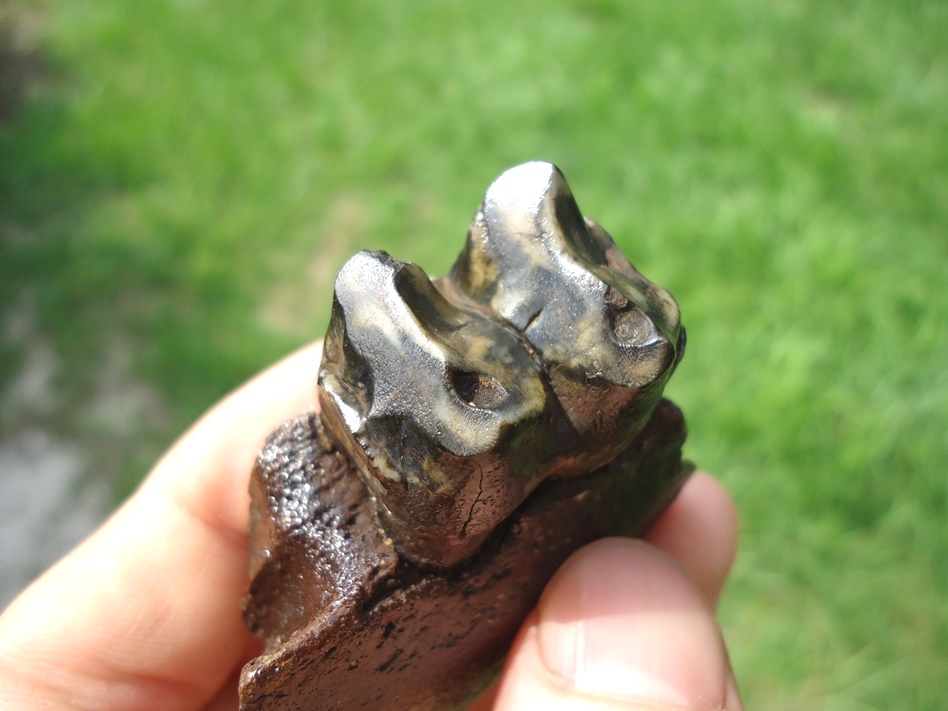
x=146, y=613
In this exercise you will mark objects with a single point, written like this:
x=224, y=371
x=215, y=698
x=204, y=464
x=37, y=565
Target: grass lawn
x=180, y=181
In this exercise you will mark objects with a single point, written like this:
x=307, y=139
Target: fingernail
x=621, y=620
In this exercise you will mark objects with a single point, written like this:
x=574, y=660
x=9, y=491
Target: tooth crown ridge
x=542, y=353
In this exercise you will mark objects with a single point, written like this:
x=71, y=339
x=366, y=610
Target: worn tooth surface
x=609, y=338
x=439, y=406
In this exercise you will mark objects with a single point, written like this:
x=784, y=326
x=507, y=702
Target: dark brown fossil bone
x=473, y=433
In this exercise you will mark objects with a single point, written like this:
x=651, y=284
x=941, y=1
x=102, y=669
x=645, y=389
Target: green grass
x=182, y=180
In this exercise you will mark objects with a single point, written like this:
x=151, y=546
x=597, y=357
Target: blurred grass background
x=180, y=181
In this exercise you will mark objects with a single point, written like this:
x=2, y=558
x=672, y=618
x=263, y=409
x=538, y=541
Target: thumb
x=619, y=627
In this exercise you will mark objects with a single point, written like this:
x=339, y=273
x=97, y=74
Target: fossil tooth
x=440, y=407
x=608, y=336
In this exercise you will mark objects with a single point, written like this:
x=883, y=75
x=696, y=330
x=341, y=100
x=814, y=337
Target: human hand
x=628, y=624
x=145, y=614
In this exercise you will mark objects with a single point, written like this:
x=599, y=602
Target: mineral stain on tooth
x=474, y=431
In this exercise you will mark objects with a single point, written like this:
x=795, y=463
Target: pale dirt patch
x=46, y=506
x=48, y=500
